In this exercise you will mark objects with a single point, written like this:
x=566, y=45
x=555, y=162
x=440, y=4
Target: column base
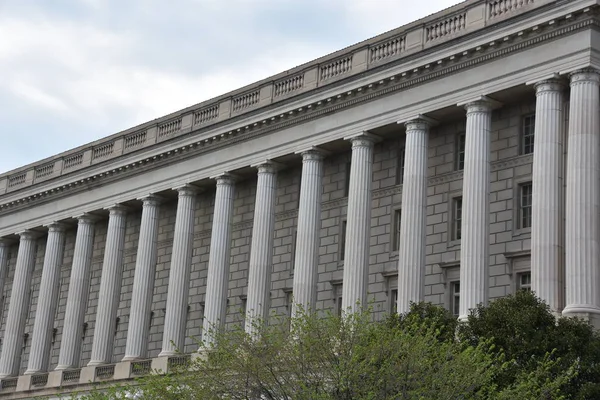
x=160, y=364
x=586, y=312
x=95, y=363
x=55, y=378
x=123, y=370
x=24, y=383
x=88, y=375
x=132, y=358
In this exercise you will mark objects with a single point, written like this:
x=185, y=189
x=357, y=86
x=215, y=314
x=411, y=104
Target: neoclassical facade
x=453, y=160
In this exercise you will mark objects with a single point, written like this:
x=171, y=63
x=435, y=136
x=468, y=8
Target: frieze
x=328, y=205
x=364, y=94
x=286, y=215
x=387, y=191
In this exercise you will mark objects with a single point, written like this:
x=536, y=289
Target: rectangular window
x=289, y=298
x=293, y=260
x=460, y=152
x=400, y=166
x=525, y=205
x=347, y=180
x=396, y=231
x=525, y=281
x=393, y=301
x=457, y=218
x=455, y=298
x=528, y=134
x=343, y=241
x=243, y=310
x=337, y=300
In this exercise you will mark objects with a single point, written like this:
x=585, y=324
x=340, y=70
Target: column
x=358, y=225
x=110, y=287
x=306, y=261
x=179, y=277
x=217, y=280
x=411, y=254
x=18, y=306
x=261, y=252
x=77, y=298
x=43, y=326
x=474, y=248
x=143, y=281
x=547, y=243
x=583, y=198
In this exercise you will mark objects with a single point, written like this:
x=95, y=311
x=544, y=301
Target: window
x=524, y=281
x=343, y=241
x=337, y=299
x=244, y=301
x=456, y=218
x=400, y=166
x=455, y=298
x=525, y=191
x=347, y=180
x=396, y=231
x=293, y=252
x=460, y=152
x=393, y=301
x=528, y=134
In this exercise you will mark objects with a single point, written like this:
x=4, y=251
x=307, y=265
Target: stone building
x=427, y=163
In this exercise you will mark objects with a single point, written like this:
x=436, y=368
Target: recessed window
x=337, y=300
x=343, y=241
x=525, y=205
x=528, y=134
x=393, y=301
x=347, y=180
x=524, y=281
x=293, y=260
x=455, y=298
x=396, y=231
x=457, y=218
x=460, y=152
x=400, y=166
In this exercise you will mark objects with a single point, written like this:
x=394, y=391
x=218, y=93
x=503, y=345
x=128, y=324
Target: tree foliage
x=512, y=349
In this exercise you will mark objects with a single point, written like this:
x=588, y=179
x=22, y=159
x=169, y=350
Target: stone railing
x=139, y=368
x=39, y=380
x=8, y=383
x=105, y=372
x=428, y=32
x=71, y=376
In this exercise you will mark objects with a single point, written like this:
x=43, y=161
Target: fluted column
x=474, y=248
x=358, y=225
x=411, y=252
x=217, y=280
x=179, y=276
x=261, y=252
x=306, y=261
x=48, y=297
x=583, y=198
x=77, y=297
x=547, y=243
x=12, y=343
x=110, y=287
x=143, y=281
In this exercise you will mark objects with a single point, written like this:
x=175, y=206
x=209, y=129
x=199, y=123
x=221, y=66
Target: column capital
x=313, y=153
x=151, y=200
x=28, y=234
x=480, y=104
x=225, y=178
x=584, y=75
x=267, y=167
x=420, y=122
x=117, y=209
x=363, y=139
x=86, y=218
x=549, y=85
x=187, y=190
x=56, y=226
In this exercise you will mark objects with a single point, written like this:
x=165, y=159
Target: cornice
x=327, y=105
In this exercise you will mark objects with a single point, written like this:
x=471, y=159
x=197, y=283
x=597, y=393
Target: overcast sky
x=73, y=71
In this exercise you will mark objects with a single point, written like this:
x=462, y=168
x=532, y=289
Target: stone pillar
x=143, y=281
x=110, y=287
x=261, y=252
x=547, y=243
x=474, y=248
x=18, y=306
x=411, y=254
x=358, y=225
x=43, y=326
x=217, y=280
x=306, y=261
x=77, y=298
x=583, y=199
x=179, y=276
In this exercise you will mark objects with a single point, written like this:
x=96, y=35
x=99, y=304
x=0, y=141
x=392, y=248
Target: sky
x=74, y=71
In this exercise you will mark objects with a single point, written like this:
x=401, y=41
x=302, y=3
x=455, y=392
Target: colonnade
x=548, y=243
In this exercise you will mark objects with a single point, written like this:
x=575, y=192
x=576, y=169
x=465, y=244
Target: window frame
x=336, y=291
x=342, y=238
x=524, y=211
x=400, y=161
x=454, y=298
x=527, y=131
x=459, y=150
x=520, y=285
x=456, y=223
x=395, y=229
x=347, y=179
